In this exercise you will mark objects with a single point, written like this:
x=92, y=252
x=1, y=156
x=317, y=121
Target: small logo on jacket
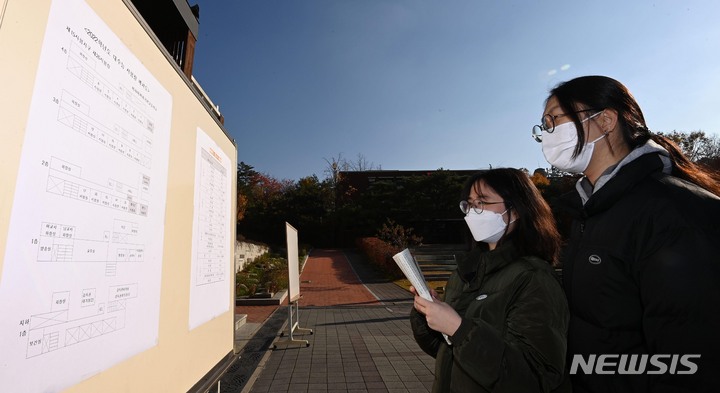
x=481, y=297
x=595, y=259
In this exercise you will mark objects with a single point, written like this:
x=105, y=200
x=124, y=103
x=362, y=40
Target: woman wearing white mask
x=641, y=270
x=502, y=324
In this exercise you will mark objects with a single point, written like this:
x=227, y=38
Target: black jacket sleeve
x=429, y=340
x=680, y=295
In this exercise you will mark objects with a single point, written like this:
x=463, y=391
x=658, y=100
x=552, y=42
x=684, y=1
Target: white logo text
x=634, y=364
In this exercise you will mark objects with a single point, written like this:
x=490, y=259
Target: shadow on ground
x=249, y=357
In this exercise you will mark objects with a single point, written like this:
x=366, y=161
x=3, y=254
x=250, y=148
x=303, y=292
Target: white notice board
x=80, y=288
x=293, y=263
x=210, y=265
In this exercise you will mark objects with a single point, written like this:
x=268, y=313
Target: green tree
x=427, y=203
x=245, y=175
x=263, y=220
x=307, y=205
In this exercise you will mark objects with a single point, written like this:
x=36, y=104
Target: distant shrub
x=380, y=253
x=397, y=235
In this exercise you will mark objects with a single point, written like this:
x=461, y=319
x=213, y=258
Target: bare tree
x=713, y=149
x=338, y=164
x=696, y=145
x=334, y=166
x=362, y=164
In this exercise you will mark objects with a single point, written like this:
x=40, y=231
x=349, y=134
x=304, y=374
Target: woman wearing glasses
x=642, y=267
x=502, y=325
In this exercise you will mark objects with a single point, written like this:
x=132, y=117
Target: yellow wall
x=181, y=357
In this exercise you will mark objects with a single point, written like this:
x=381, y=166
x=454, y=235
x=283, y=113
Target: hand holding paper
x=412, y=272
x=440, y=316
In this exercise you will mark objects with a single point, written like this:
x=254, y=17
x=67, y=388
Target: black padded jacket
x=642, y=276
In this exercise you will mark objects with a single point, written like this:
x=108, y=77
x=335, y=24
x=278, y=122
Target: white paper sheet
x=212, y=219
x=411, y=270
x=80, y=288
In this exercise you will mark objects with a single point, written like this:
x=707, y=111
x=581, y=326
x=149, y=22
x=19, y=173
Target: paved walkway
x=361, y=341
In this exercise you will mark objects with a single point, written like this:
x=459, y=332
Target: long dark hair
x=601, y=92
x=535, y=232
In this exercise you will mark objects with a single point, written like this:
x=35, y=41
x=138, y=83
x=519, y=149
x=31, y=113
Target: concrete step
x=434, y=257
x=437, y=261
x=430, y=249
x=240, y=319
x=438, y=268
x=435, y=276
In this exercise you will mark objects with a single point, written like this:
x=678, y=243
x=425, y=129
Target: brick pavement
x=256, y=314
x=329, y=280
x=361, y=341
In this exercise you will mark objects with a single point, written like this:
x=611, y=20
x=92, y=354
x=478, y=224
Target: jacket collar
x=586, y=190
x=484, y=263
x=623, y=181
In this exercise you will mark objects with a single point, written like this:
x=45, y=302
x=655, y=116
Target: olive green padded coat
x=514, y=324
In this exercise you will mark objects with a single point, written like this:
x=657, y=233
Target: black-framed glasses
x=477, y=205
x=547, y=123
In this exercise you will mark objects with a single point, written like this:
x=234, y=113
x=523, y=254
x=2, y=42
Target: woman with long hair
x=642, y=265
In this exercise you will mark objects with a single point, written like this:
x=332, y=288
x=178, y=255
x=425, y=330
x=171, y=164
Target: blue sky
x=417, y=84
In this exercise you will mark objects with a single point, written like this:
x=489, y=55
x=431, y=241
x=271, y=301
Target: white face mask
x=487, y=226
x=558, y=147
